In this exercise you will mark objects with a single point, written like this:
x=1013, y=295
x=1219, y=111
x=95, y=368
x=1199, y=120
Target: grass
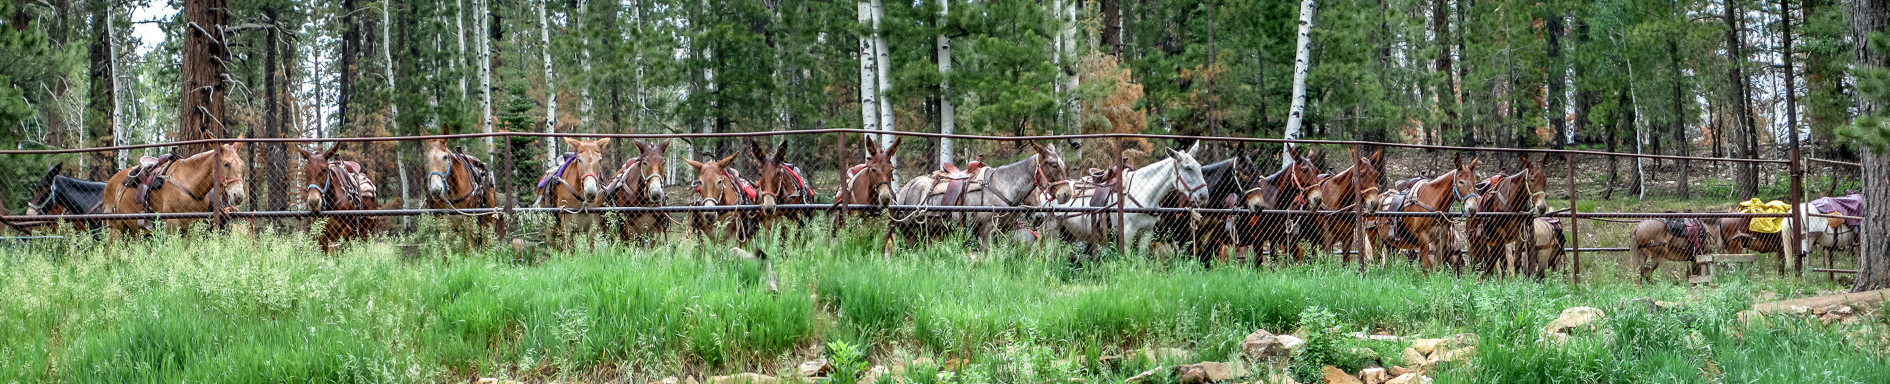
x=231, y=308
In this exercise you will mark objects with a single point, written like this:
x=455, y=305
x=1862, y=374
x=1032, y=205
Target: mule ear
x=780, y=150
x=871, y=144
x=895, y=146
x=725, y=161
x=330, y=153
x=602, y=142
x=755, y=149
x=1194, y=148
x=641, y=146
x=570, y=141
x=1172, y=153
x=1378, y=155
x=693, y=163
x=1473, y=163
x=300, y=151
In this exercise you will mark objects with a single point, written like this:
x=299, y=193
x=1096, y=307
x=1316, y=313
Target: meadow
x=230, y=307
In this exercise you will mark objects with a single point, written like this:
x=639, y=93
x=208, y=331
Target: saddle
x=551, y=175
x=359, y=183
x=1851, y=205
x=970, y=170
x=148, y=176
x=951, y=184
x=1099, y=185
x=1690, y=229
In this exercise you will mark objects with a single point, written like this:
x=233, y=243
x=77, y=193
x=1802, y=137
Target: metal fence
x=1224, y=227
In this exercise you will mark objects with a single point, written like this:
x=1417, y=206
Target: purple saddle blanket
x=1852, y=205
x=555, y=172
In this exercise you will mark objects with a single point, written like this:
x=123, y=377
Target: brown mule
x=1489, y=237
x=336, y=185
x=778, y=182
x=1288, y=189
x=1654, y=241
x=867, y=183
x=718, y=185
x=639, y=183
x=573, y=186
x=1356, y=186
x=456, y=181
x=1429, y=235
x=203, y=182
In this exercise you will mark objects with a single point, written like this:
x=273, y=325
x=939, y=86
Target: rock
x=1380, y=336
x=1841, y=310
x=1453, y=355
x=486, y=380
x=1572, y=319
x=1426, y=346
x=1831, y=318
x=1291, y=342
x=744, y=378
x=1141, y=377
x=814, y=368
x=1398, y=370
x=1261, y=346
x=1374, y=375
x=1415, y=359
x=1206, y=372
x=1334, y=375
x=1409, y=378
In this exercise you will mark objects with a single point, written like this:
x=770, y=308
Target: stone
x=1206, y=372
x=1374, y=375
x=1192, y=374
x=814, y=368
x=1291, y=342
x=1415, y=359
x=1831, y=318
x=1572, y=319
x=1410, y=378
x=1453, y=355
x=1398, y=370
x=1334, y=375
x=1843, y=310
x=1426, y=346
x=487, y=380
x=1261, y=346
x=1141, y=377
x=744, y=378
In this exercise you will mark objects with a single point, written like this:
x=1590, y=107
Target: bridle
x=623, y=177
x=52, y=193
x=453, y=160
x=1181, y=183
x=329, y=174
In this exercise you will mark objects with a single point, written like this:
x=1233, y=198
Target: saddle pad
x=1852, y=205
x=553, y=173
x=800, y=182
x=1101, y=195
x=1765, y=224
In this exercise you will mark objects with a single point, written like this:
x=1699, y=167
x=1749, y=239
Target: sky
x=150, y=34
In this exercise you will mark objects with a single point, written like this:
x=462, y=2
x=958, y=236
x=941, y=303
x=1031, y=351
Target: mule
x=1354, y=187
x=457, y=181
x=867, y=183
x=717, y=185
x=1143, y=187
x=778, y=182
x=1213, y=234
x=1277, y=233
x=1832, y=234
x=61, y=195
x=1429, y=234
x=337, y=185
x=639, y=183
x=574, y=186
x=1032, y=181
x=208, y=181
x=1489, y=237
x=1655, y=240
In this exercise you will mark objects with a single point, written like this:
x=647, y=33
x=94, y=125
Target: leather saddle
x=359, y=184
x=951, y=183
x=148, y=175
x=1692, y=230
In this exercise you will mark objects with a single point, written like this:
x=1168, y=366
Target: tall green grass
x=232, y=308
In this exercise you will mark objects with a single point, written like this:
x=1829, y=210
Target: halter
x=1456, y=191
x=1183, y=184
x=52, y=193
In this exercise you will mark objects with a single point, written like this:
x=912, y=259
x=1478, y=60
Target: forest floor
x=223, y=307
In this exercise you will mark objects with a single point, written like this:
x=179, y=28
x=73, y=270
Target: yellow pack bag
x=1765, y=224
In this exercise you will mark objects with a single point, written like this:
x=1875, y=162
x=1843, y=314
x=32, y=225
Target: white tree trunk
x=1640, y=134
x=484, y=43
x=459, y=29
x=882, y=64
x=584, y=62
x=1056, y=61
x=1301, y=64
x=387, y=54
x=1070, y=60
x=118, y=96
x=636, y=51
x=869, y=76
x=948, y=119
x=551, y=86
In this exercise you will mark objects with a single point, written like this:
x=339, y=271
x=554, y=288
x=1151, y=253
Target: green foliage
x=848, y=361
x=1873, y=84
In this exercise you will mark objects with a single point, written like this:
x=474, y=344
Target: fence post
x=1798, y=215
x=1122, y=198
x=1358, y=220
x=509, y=187
x=1574, y=223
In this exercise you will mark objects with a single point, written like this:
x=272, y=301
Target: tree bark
x=201, y=106
x=1682, y=145
x=1447, y=89
x=1558, y=100
x=350, y=52
x=484, y=44
x=551, y=85
x=1112, y=27
x=1746, y=179
x=275, y=159
x=869, y=75
x=1874, y=256
x=882, y=65
x=102, y=96
x=1301, y=64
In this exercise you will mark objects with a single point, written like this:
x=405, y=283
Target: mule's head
x=712, y=185
x=771, y=177
x=1463, y=184
x=315, y=177
x=1188, y=177
x=1535, y=182
x=439, y=166
x=649, y=170
x=1055, y=173
x=879, y=171
x=590, y=157
x=1365, y=175
x=43, y=196
x=230, y=164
